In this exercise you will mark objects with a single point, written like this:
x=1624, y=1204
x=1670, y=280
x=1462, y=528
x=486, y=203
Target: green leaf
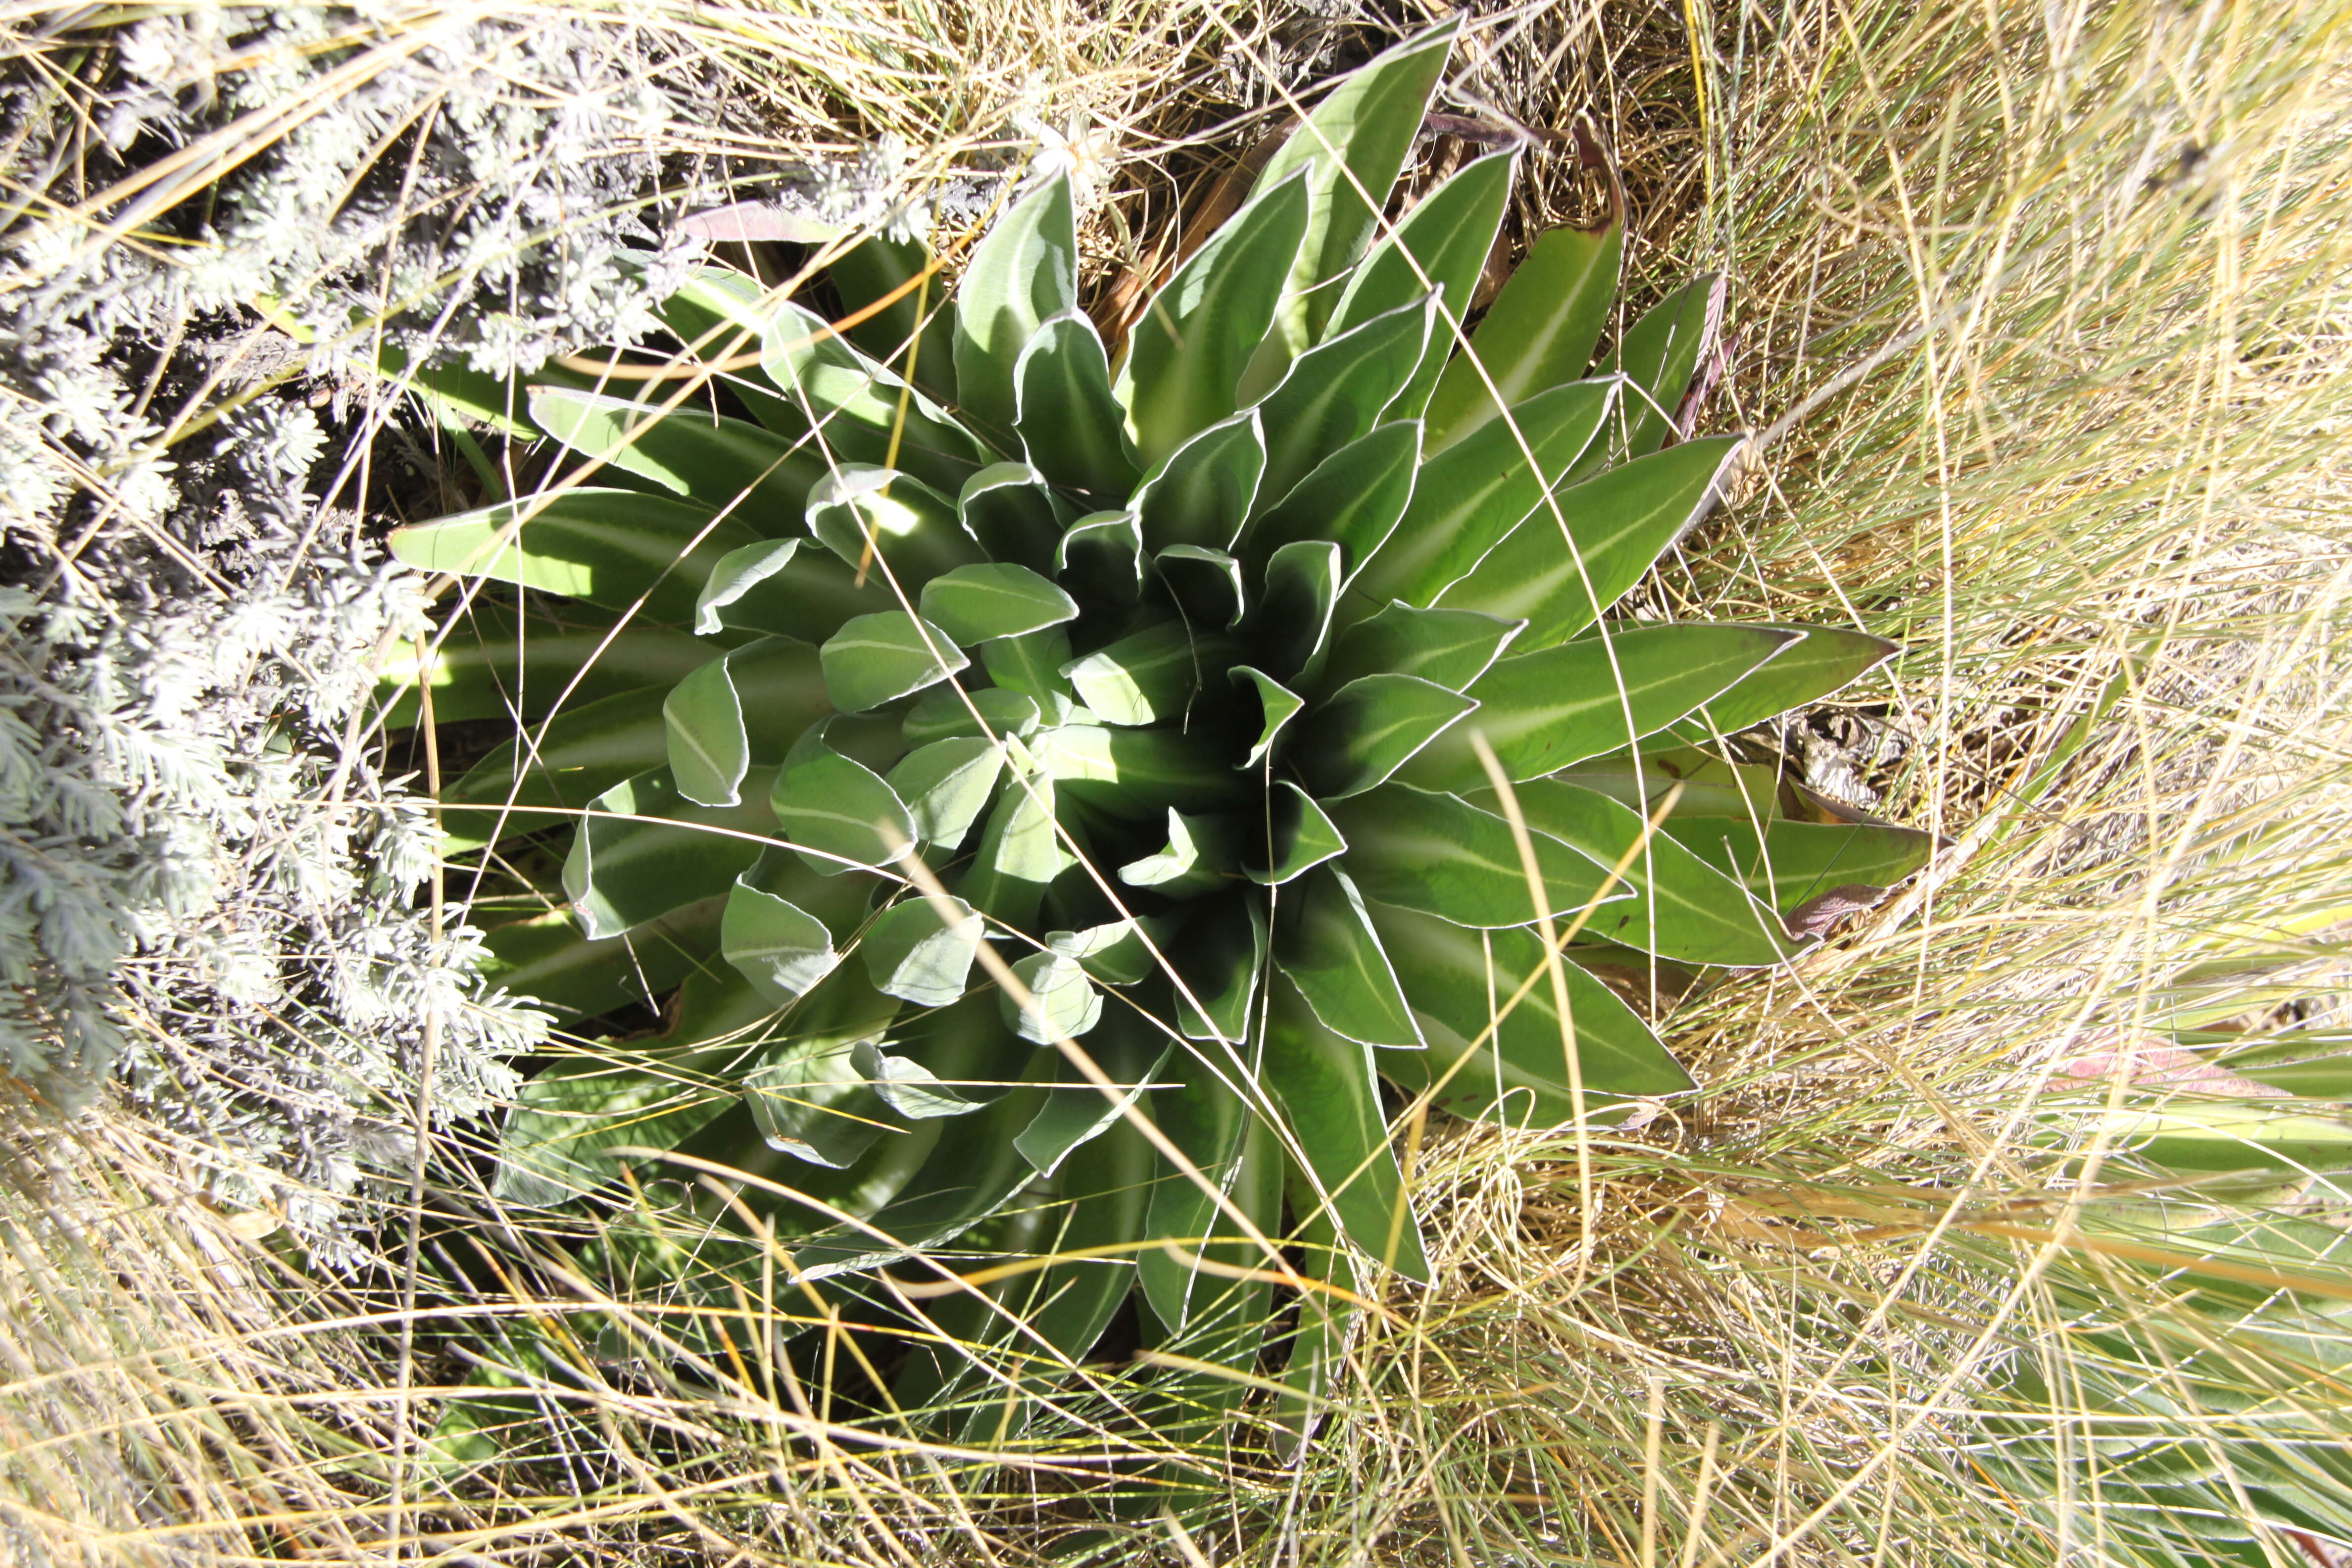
x=1330, y=1099
x=552, y=1148
x=1019, y=852
x=1102, y=557
x=781, y=948
x=1370, y=728
x=1659, y=354
x=811, y=1101
x=972, y=1172
x=1710, y=786
x=1201, y=854
x=1114, y=953
x=1457, y=976
x=1187, y=351
x=1474, y=493
x=645, y=850
x=1798, y=860
x=477, y=670
x=1441, y=855
x=1207, y=1122
x=1543, y=711
x=565, y=764
x=702, y=725
x=1206, y=583
x=1353, y=498
x=1350, y=149
x=1063, y=1001
x=870, y=270
x=1324, y=1320
x=1221, y=956
x=1135, y=772
x=1149, y=676
x=1451, y=647
x=975, y=603
x=913, y=955
x=1300, y=836
x=1031, y=666
x=1023, y=274
x=610, y=548
x=946, y=786
x=1070, y=425
x=1442, y=243
x=1683, y=909
x=775, y=585
x=948, y=1061
x=946, y=715
x=1825, y=661
x=880, y=658
x=547, y=960
x=859, y=513
x=861, y=412
x=1620, y=522
x=1294, y=617
x=841, y=810
x=1016, y=519
x=1334, y=393
x=1204, y=491
x=1539, y=332
x=1278, y=705
x=1324, y=943
x=911, y=1089
x=1132, y=1054
x=762, y=476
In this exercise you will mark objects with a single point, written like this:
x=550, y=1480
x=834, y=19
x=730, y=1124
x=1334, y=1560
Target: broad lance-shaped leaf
x=1537, y=334
x=1016, y=519
x=1370, y=728
x=1441, y=855
x=778, y=585
x=1795, y=861
x=948, y=1061
x=1131, y=1051
x=873, y=270
x=976, y=604
x=946, y=784
x=1620, y=522
x=859, y=513
x=1151, y=675
x=777, y=945
x=912, y=954
x=1025, y=273
x=1353, y=500
x=1683, y=908
x=1451, y=647
x=1300, y=836
x=812, y=1102
x=1201, y=853
x=1541, y=711
x=1334, y=393
x=739, y=711
x=864, y=413
x=1187, y=351
x=1349, y=148
x=880, y=658
x=1204, y=491
x=548, y=958
x=477, y=667
x=1325, y=1319
x=720, y=462
x=1330, y=1097
x=564, y=763
x=1474, y=494
x=972, y=1172
x=1293, y=620
x=1070, y=425
x=644, y=850
x=946, y=713
x=1324, y=941
x=610, y=548
x=1206, y=583
x=1458, y=977
x=1826, y=660
x=1443, y=243
x=1101, y=558
x=1221, y=956
x=1206, y=1121
x=1659, y=355
x=1019, y=852
x=1115, y=953
x=1276, y=702
x=839, y=812
x=1062, y=1003
x=564, y=1119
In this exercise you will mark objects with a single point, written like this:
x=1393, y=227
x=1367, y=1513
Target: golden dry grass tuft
x=2046, y=311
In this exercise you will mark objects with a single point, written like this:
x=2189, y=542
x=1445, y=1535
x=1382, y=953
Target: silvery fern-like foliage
x=206, y=885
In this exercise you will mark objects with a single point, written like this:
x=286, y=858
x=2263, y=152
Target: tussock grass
x=2046, y=315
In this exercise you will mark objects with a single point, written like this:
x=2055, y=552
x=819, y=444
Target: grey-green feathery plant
x=1155, y=688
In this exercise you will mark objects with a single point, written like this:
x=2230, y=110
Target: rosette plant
x=1062, y=786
